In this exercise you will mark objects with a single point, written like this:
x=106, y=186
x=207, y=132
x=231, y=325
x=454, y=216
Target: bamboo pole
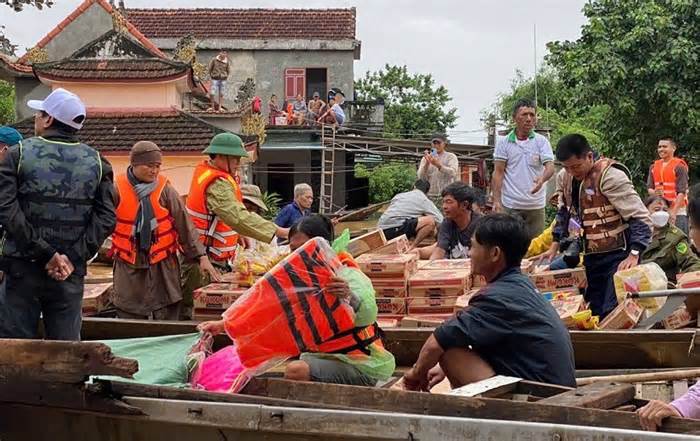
x=640, y=378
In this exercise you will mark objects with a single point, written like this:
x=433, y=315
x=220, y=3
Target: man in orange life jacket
x=615, y=226
x=215, y=205
x=668, y=178
x=152, y=226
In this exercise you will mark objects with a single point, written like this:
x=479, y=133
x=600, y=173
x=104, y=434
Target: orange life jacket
x=664, y=176
x=287, y=312
x=124, y=246
x=219, y=239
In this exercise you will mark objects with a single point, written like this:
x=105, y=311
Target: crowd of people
x=59, y=201
x=301, y=113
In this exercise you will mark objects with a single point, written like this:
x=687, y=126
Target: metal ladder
x=327, y=168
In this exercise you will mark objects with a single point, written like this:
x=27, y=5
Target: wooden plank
x=686, y=374
x=446, y=405
x=680, y=388
x=67, y=396
x=123, y=389
x=491, y=387
x=541, y=390
x=60, y=361
x=603, y=395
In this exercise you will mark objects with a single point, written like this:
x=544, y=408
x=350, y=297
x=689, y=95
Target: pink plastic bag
x=220, y=372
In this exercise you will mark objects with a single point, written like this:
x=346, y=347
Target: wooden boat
x=45, y=396
x=629, y=349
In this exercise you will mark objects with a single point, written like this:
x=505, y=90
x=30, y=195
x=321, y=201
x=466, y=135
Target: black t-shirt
x=514, y=329
x=456, y=243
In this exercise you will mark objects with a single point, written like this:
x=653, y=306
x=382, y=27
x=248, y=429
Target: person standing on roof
x=57, y=207
x=438, y=166
x=215, y=204
x=219, y=69
x=152, y=225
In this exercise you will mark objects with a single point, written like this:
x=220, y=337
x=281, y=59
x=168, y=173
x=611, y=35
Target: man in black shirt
x=508, y=327
x=456, y=229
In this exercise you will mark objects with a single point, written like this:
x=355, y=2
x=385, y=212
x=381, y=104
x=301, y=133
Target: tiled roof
x=82, y=8
x=317, y=24
x=112, y=131
x=111, y=69
x=14, y=67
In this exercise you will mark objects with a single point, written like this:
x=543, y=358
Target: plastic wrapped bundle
x=287, y=311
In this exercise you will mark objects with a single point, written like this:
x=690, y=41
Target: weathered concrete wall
x=267, y=69
x=112, y=95
x=28, y=89
x=90, y=25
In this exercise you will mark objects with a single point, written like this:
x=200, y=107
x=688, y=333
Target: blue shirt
x=289, y=215
x=515, y=330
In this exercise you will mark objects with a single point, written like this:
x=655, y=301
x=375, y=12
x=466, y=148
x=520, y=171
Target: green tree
x=388, y=179
x=7, y=103
x=415, y=106
x=637, y=60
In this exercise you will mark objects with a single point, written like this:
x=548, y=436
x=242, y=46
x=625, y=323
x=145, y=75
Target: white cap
x=62, y=105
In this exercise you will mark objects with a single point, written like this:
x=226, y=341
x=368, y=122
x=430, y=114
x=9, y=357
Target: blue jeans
x=558, y=264
x=600, y=269
x=30, y=294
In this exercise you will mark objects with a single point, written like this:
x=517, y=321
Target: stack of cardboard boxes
x=389, y=274
x=98, y=289
x=436, y=286
x=212, y=300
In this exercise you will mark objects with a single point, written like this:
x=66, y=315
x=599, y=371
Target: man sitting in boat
x=508, y=327
x=457, y=228
x=669, y=246
x=361, y=367
x=688, y=405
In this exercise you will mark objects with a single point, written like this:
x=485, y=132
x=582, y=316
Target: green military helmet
x=226, y=144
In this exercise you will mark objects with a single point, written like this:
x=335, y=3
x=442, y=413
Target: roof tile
x=323, y=24
x=112, y=69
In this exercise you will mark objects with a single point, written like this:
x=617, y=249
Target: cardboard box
x=397, y=245
x=390, y=266
x=431, y=305
x=238, y=280
x=463, y=300
x=427, y=283
x=680, y=318
x=391, y=305
x=567, y=307
x=217, y=296
x=526, y=266
x=424, y=320
x=561, y=279
x=96, y=297
x=478, y=281
x=447, y=264
x=366, y=243
x=390, y=287
x=689, y=280
x=389, y=320
x=561, y=294
x=625, y=316
x=97, y=274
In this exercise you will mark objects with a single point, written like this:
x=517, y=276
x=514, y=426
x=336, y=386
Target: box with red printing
x=366, y=243
x=424, y=320
x=447, y=264
x=478, y=281
x=560, y=279
x=217, y=296
x=397, y=245
x=463, y=300
x=625, y=316
x=689, y=280
x=567, y=307
x=390, y=287
x=680, y=318
x=391, y=305
x=426, y=283
x=431, y=305
x=387, y=265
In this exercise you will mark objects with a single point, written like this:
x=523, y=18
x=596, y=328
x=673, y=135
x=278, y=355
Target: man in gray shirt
x=411, y=213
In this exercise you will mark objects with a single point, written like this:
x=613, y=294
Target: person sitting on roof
x=508, y=328
x=299, y=110
x=360, y=367
x=335, y=114
x=274, y=110
x=687, y=406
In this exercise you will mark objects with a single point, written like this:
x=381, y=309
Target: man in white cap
x=57, y=207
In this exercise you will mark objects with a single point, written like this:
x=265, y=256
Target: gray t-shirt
x=408, y=205
x=455, y=242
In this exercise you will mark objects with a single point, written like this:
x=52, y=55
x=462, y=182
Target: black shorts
x=408, y=228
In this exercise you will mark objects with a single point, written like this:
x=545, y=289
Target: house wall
x=28, y=89
x=267, y=69
x=105, y=95
x=88, y=26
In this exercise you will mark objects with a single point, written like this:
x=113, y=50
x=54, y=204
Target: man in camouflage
x=57, y=207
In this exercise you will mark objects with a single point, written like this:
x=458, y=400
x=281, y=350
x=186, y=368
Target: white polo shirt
x=525, y=161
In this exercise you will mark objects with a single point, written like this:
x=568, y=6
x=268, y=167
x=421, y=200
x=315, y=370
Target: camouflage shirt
x=670, y=249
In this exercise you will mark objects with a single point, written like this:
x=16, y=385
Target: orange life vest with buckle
x=219, y=239
x=664, y=176
x=124, y=246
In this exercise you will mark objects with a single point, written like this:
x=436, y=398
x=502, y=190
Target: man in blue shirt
x=303, y=198
x=508, y=328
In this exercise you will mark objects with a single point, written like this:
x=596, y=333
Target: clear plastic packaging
x=645, y=277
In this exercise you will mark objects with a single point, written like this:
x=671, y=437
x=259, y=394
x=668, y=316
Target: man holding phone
x=438, y=166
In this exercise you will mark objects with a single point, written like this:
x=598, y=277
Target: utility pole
x=534, y=34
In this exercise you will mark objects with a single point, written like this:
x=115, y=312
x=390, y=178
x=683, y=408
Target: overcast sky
x=473, y=47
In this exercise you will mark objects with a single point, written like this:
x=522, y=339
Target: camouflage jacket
x=670, y=249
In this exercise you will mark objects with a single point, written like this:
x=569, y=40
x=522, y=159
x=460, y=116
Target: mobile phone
x=433, y=152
